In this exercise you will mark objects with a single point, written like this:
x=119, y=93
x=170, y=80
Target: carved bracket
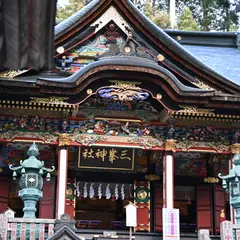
x=235, y=148
x=64, y=140
x=170, y=145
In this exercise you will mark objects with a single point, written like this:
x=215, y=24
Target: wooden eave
x=21, y=89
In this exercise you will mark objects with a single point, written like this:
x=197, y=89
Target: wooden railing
x=26, y=228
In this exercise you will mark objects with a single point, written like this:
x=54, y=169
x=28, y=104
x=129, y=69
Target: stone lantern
x=31, y=181
x=231, y=183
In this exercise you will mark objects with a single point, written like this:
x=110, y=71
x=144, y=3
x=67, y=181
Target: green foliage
x=187, y=22
x=208, y=14
x=160, y=18
x=233, y=28
x=70, y=9
x=149, y=10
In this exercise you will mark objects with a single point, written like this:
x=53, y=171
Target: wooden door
x=47, y=203
x=158, y=205
x=4, y=193
x=204, y=208
x=219, y=204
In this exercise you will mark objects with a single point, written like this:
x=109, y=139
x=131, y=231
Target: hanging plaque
x=106, y=158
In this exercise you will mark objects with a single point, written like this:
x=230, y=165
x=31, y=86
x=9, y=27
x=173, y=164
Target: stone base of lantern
x=30, y=197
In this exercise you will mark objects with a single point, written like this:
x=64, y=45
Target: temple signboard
x=111, y=158
x=226, y=230
x=3, y=226
x=171, y=225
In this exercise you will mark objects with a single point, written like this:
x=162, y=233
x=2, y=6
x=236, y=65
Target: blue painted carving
x=123, y=94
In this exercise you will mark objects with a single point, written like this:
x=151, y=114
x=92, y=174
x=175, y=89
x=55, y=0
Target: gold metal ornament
x=89, y=91
x=160, y=58
x=142, y=195
x=211, y=180
x=152, y=177
x=60, y=50
x=159, y=96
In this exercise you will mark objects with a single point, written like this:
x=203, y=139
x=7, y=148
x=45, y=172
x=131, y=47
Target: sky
x=63, y=2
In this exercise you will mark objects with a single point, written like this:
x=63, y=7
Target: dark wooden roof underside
x=27, y=34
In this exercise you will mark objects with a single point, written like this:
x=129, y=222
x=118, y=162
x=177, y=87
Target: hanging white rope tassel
x=91, y=191
x=100, y=191
x=108, y=192
x=78, y=190
x=116, y=192
x=122, y=192
x=85, y=192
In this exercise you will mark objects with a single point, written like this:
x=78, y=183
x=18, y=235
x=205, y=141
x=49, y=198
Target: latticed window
x=32, y=180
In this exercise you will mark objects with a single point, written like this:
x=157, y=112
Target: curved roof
x=215, y=49
x=159, y=34
x=72, y=81
x=68, y=23
x=224, y=60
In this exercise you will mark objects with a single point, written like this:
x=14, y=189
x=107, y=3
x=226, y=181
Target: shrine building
x=128, y=112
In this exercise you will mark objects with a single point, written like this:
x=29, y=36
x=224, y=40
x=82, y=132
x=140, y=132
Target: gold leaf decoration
x=125, y=84
x=11, y=73
x=191, y=109
x=51, y=100
x=202, y=85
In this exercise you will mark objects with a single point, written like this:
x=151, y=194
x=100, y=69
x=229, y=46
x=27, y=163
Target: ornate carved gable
x=112, y=40
x=112, y=36
x=116, y=28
